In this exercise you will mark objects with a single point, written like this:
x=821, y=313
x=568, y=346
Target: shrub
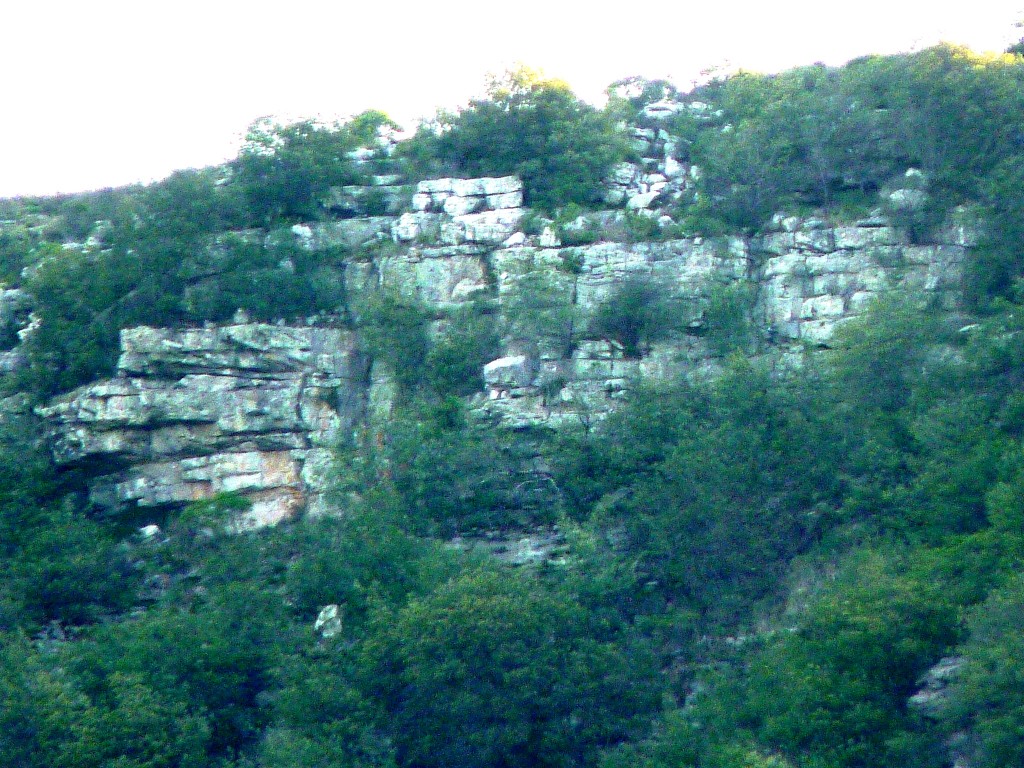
x=494, y=669
x=455, y=362
x=996, y=266
x=728, y=317
x=537, y=129
x=987, y=698
x=638, y=312
x=394, y=330
x=539, y=306
x=285, y=171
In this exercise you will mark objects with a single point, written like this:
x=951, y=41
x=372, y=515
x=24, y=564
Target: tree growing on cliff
x=285, y=171
x=536, y=128
x=637, y=313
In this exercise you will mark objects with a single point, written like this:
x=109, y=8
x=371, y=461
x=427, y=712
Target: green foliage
x=996, y=266
x=539, y=306
x=883, y=354
x=56, y=564
x=394, y=330
x=69, y=569
x=641, y=227
x=83, y=300
x=369, y=556
x=285, y=171
x=728, y=318
x=16, y=252
x=806, y=136
x=638, y=312
x=269, y=280
x=450, y=476
x=534, y=128
x=713, y=490
x=986, y=696
x=836, y=689
x=209, y=666
x=454, y=365
x=492, y=669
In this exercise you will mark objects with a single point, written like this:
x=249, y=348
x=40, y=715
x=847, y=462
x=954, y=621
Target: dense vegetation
x=757, y=572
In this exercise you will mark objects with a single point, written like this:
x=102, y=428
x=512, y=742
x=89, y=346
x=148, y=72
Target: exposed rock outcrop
x=249, y=408
x=256, y=408
x=803, y=281
x=483, y=211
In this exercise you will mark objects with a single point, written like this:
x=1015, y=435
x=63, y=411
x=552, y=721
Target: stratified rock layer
x=247, y=408
x=257, y=409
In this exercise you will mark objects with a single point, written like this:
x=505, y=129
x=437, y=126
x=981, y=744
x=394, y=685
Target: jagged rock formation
x=250, y=408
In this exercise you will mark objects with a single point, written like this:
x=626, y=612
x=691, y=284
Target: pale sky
x=98, y=93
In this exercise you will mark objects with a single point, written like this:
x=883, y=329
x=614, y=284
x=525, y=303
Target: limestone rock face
x=804, y=280
x=250, y=408
x=328, y=621
x=484, y=211
x=512, y=371
x=255, y=408
x=813, y=279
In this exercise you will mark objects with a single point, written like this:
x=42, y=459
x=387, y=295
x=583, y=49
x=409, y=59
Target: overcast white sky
x=105, y=92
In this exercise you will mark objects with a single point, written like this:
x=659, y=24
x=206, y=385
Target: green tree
x=285, y=171
x=997, y=265
x=537, y=129
x=987, y=698
x=455, y=362
x=834, y=692
x=393, y=329
x=491, y=669
x=637, y=313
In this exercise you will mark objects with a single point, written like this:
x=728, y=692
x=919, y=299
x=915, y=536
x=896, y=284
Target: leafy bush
x=277, y=278
x=539, y=307
x=83, y=300
x=638, y=312
x=806, y=136
x=995, y=268
x=837, y=687
x=986, y=698
x=285, y=171
x=728, y=318
x=393, y=330
x=534, y=128
x=492, y=669
x=454, y=365
x=450, y=476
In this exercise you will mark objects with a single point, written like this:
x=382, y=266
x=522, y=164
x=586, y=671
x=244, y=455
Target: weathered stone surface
x=328, y=622
x=201, y=411
x=458, y=197
x=460, y=206
x=350, y=233
x=642, y=200
x=255, y=408
x=932, y=698
x=438, y=276
x=417, y=226
x=390, y=199
x=490, y=227
x=508, y=372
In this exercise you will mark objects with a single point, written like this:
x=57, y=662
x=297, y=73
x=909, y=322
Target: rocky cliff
x=249, y=408
x=256, y=408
